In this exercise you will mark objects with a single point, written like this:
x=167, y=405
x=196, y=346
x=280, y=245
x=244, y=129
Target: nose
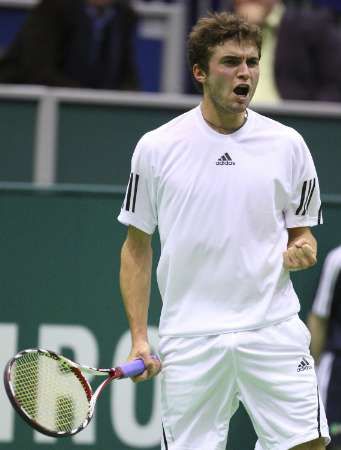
x=243, y=71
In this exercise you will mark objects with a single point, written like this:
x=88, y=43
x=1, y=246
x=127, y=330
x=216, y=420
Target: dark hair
x=214, y=30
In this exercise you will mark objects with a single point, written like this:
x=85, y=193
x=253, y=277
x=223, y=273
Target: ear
x=199, y=74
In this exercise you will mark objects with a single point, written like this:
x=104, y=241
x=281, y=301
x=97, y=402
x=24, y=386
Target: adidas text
x=226, y=163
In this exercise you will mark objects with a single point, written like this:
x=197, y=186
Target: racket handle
x=132, y=368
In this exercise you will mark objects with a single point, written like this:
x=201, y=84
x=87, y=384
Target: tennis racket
x=51, y=392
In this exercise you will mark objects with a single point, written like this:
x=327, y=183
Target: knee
x=316, y=444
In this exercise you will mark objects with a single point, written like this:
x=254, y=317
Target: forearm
x=135, y=279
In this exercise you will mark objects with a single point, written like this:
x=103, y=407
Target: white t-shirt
x=222, y=204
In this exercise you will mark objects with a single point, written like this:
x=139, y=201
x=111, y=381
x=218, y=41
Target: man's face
x=232, y=77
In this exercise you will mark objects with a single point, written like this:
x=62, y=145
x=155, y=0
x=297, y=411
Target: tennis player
x=324, y=322
x=233, y=194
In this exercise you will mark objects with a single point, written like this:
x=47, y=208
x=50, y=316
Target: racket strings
x=50, y=392
x=26, y=368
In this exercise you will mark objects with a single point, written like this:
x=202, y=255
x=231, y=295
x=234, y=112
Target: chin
x=239, y=108
x=238, y=105
x=231, y=107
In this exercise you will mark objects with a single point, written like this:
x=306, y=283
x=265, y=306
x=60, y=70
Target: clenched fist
x=300, y=255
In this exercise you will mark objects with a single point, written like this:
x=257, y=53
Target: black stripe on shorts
x=318, y=414
x=164, y=438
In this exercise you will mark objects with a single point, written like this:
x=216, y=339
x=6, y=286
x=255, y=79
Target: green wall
x=17, y=131
x=59, y=262
x=95, y=142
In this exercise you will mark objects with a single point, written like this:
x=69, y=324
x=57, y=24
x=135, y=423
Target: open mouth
x=242, y=89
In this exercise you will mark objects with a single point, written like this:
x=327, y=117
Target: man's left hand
x=300, y=255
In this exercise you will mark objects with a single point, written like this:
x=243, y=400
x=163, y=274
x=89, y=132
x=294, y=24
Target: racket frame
x=110, y=374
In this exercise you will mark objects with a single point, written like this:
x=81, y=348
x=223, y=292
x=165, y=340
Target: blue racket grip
x=133, y=368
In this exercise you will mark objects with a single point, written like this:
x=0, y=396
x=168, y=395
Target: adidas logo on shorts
x=304, y=365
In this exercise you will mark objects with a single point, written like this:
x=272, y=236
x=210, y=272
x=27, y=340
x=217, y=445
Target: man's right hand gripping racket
x=51, y=392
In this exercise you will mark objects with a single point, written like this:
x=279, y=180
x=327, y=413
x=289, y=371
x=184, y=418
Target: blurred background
x=80, y=82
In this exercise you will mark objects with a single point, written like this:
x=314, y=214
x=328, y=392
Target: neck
x=223, y=122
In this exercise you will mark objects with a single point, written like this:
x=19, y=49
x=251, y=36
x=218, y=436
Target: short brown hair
x=214, y=30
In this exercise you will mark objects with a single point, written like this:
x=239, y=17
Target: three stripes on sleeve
x=130, y=200
x=308, y=188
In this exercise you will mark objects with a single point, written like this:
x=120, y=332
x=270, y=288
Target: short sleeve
x=304, y=207
x=325, y=291
x=139, y=206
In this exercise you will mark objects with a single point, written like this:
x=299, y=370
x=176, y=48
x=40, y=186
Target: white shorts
x=269, y=370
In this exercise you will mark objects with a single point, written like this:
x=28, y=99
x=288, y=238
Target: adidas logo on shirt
x=304, y=365
x=225, y=160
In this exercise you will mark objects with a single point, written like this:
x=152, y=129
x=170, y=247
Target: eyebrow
x=237, y=57
x=236, y=60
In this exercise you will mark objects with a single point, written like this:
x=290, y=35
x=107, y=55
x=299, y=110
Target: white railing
x=49, y=99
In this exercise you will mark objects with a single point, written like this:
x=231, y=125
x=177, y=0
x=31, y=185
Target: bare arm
x=318, y=327
x=135, y=279
x=302, y=249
